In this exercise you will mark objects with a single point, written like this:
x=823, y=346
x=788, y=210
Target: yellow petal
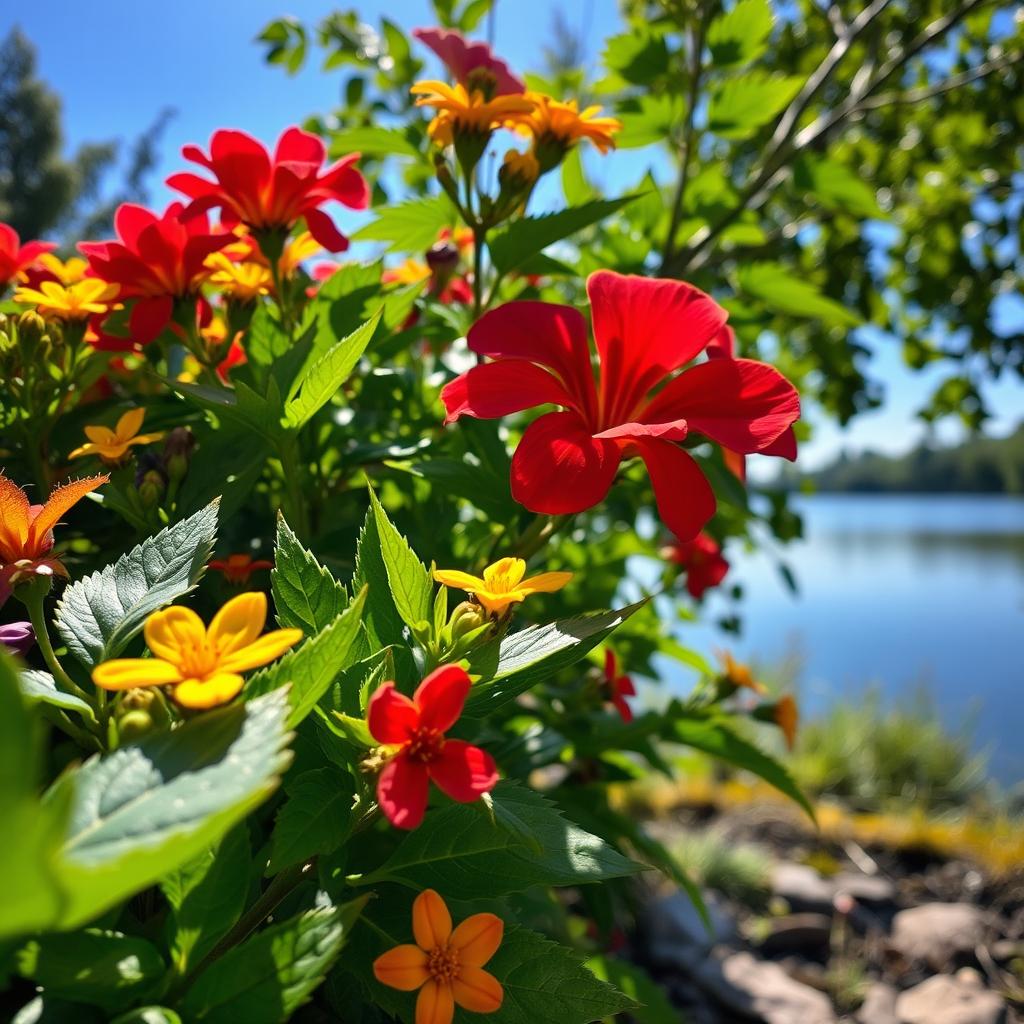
x=477, y=991
x=435, y=1004
x=496, y=604
x=100, y=435
x=85, y=449
x=130, y=424
x=404, y=968
x=431, y=922
x=477, y=939
x=505, y=573
x=269, y=646
x=146, y=438
x=126, y=673
x=459, y=580
x=545, y=582
x=209, y=692
x=239, y=622
x=174, y=630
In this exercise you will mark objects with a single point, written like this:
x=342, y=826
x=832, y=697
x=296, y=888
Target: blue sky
x=124, y=60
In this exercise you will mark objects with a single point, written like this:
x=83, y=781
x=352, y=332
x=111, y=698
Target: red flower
x=619, y=687
x=273, y=194
x=702, y=559
x=469, y=62
x=157, y=261
x=417, y=727
x=238, y=568
x=15, y=257
x=645, y=330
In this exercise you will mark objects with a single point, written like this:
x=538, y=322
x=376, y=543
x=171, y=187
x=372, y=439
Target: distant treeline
x=982, y=465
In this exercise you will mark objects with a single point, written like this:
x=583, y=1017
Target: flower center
x=443, y=964
x=197, y=660
x=425, y=746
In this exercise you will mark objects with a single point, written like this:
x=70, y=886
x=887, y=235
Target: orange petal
x=59, y=502
x=126, y=673
x=477, y=991
x=130, y=424
x=173, y=630
x=238, y=623
x=100, y=435
x=477, y=939
x=404, y=967
x=260, y=652
x=14, y=515
x=545, y=582
x=431, y=922
x=210, y=692
x=435, y=1004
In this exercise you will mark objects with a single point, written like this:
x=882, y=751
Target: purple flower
x=17, y=636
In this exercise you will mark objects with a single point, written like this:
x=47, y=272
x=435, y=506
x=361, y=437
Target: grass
x=738, y=871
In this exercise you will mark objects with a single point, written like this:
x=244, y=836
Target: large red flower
x=156, y=260
x=703, y=561
x=645, y=330
x=418, y=728
x=15, y=257
x=469, y=62
x=270, y=194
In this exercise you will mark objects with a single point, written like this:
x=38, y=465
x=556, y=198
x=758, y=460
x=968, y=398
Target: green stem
x=538, y=533
x=479, y=238
x=294, y=490
x=60, y=720
x=34, y=603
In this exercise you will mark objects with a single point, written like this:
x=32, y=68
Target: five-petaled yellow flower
x=464, y=113
x=243, y=281
x=203, y=665
x=111, y=445
x=77, y=301
x=503, y=584
x=445, y=965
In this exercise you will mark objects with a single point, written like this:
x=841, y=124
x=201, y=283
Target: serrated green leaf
x=740, y=35
x=639, y=56
x=306, y=595
x=314, y=819
x=267, y=978
x=742, y=105
x=37, y=685
x=376, y=141
x=98, y=616
x=784, y=292
x=412, y=226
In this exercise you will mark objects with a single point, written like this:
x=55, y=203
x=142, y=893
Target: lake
x=902, y=592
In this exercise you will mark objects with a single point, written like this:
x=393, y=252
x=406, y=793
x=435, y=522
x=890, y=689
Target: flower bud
x=151, y=488
x=466, y=617
x=178, y=449
x=134, y=725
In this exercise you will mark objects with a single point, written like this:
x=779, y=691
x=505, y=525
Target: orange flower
x=238, y=568
x=467, y=113
x=445, y=965
x=112, y=445
x=787, y=717
x=557, y=126
x=738, y=675
x=26, y=531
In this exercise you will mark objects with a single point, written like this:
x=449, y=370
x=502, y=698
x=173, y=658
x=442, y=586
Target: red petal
x=645, y=329
x=391, y=715
x=322, y=228
x=723, y=344
x=440, y=697
x=541, y=332
x=149, y=317
x=130, y=221
x=192, y=185
x=742, y=404
x=492, y=390
x=462, y=57
x=673, y=431
x=706, y=574
x=402, y=792
x=685, y=498
x=464, y=772
x=784, y=445
x=297, y=144
x=559, y=468
x=345, y=183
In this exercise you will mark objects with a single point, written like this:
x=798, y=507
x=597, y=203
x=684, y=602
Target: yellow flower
x=77, y=301
x=410, y=271
x=245, y=281
x=464, y=113
x=503, y=583
x=69, y=271
x=297, y=249
x=557, y=126
x=446, y=965
x=203, y=665
x=111, y=445
x=521, y=167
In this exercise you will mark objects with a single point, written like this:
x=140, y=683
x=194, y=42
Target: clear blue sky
x=116, y=63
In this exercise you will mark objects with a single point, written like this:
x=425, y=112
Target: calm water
x=903, y=592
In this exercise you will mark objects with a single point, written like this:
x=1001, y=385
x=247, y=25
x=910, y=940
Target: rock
x=962, y=999
x=879, y=1006
x=864, y=888
x=763, y=990
x=802, y=888
x=676, y=933
x=798, y=933
x=935, y=933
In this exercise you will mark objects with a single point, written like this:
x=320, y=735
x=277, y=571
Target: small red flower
x=703, y=561
x=156, y=260
x=645, y=330
x=238, y=568
x=417, y=727
x=15, y=257
x=619, y=687
x=269, y=194
x=470, y=64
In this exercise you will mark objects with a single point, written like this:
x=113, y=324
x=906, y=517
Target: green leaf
x=376, y=141
x=740, y=35
x=228, y=462
x=742, y=105
x=647, y=119
x=716, y=736
x=575, y=186
x=639, y=56
x=326, y=375
x=411, y=586
x=100, y=614
x=527, y=236
x=207, y=896
x=148, y=1015
x=784, y=292
x=145, y=810
x=102, y=968
x=836, y=186
x=306, y=595
x=267, y=978
x=412, y=226
x=527, y=842
x=37, y=685
x=652, y=1005
x=513, y=664
x=312, y=667
x=314, y=819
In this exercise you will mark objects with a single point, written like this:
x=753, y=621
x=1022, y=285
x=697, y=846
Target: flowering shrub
x=224, y=822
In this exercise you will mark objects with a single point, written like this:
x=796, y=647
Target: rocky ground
x=876, y=937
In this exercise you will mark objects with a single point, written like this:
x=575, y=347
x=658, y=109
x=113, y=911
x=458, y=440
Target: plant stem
x=479, y=238
x=294, y=477
x=538, y=533
x=34, y=603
